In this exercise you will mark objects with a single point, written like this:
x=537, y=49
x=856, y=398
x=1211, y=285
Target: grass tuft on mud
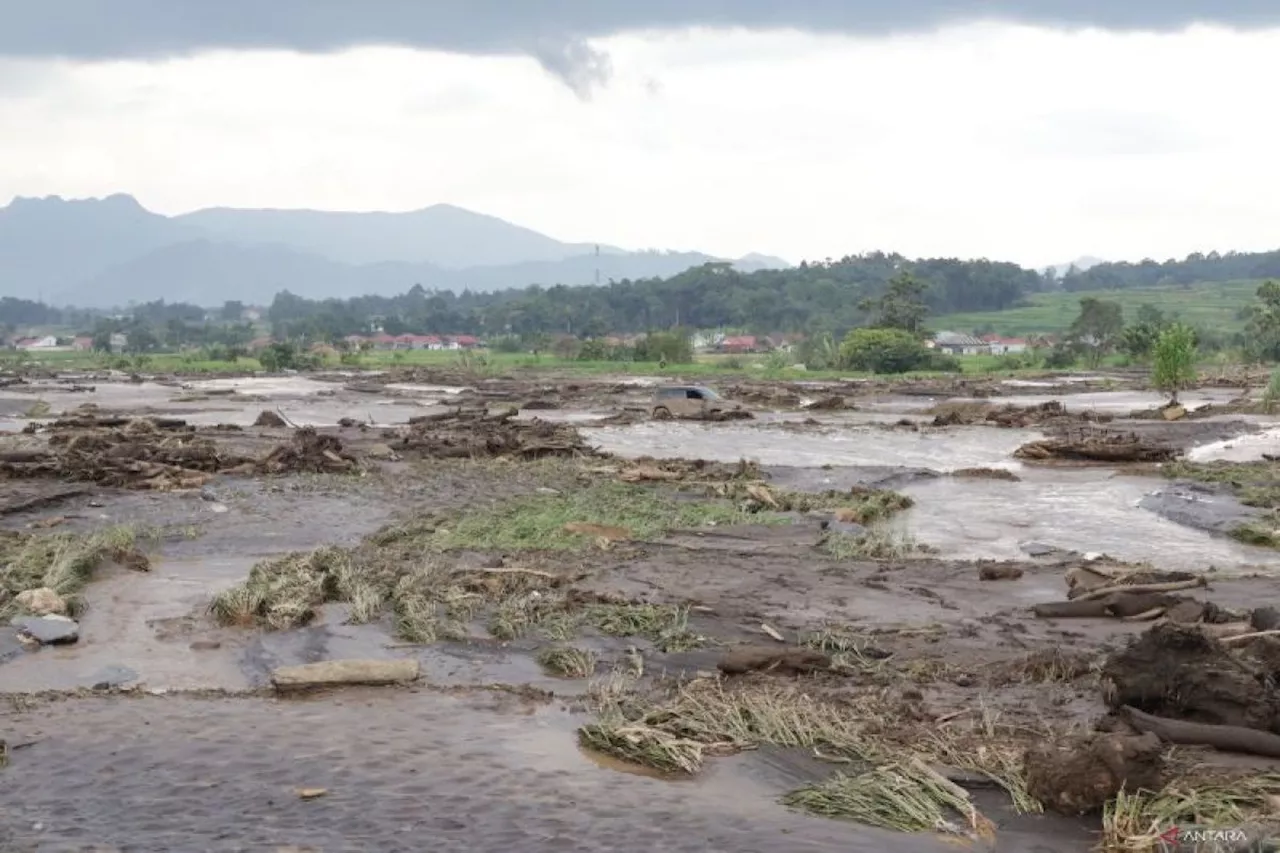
x=1134, y=821
x=568, y=661
x=575, y=518
x=879, y=542
x=873, y=728
x=906, y=797
x=62, y=562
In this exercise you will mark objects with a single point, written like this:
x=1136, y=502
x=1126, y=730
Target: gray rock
x=1038, y=549
x=48, y=630
x=112, y=676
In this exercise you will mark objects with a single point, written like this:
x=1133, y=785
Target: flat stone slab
x=336, y=673
x=48, y=630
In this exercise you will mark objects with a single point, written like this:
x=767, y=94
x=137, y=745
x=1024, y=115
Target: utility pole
x=597, y=264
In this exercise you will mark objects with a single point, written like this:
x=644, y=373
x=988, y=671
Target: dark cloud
x=555, y=32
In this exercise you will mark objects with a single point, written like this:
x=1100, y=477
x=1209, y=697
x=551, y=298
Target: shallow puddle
x=133, y=633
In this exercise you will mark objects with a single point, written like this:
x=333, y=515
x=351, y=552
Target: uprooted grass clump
x=1193, y=800
x=62, y=562
x=573, y=518
x=431, y=595
x=568, y=661
x=678, y=730
x=907, y=797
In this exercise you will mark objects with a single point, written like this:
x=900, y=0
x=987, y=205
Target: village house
x=955, y=343
x=82, y=344
x=383, y=341
x=1004, y=346
x=739, y=345
x=44, y=342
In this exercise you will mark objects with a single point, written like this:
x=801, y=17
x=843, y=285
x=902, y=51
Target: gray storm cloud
x=556, y=33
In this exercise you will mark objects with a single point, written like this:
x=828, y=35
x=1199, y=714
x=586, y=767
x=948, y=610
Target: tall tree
x=1097, y=329
x=902, y=306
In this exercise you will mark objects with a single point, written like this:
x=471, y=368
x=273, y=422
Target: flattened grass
x=1134, y=821
x=538, y=522
x=63, y=562
x=906, y=797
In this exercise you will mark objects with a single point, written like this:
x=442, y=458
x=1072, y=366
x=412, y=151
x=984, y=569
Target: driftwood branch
x=1172, y=586
x=1240, y=639
x=1225, y=738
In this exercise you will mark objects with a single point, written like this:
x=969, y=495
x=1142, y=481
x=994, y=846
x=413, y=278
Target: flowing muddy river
x=1082, y=509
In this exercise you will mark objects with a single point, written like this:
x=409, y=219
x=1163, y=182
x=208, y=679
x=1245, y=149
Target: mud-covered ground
x=614, y=653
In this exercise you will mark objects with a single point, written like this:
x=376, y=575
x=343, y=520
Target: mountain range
x=106, y=252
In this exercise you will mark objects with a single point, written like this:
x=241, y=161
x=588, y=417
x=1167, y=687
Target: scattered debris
x=987, y=474
x=309, y=452
x=1097, y=447
x=830, y=403
x=1180, y=673
x=463, y=433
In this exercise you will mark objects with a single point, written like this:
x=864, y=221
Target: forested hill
x=1193, y=269
x=811, y=297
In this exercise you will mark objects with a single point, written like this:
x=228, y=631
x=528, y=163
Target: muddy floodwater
x=159, y=729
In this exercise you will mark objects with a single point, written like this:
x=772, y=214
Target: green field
x=1207, y=306
x=481, y=364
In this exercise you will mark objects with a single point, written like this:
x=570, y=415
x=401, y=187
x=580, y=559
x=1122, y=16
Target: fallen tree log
x=1117, y=604
x=1224, y=738
x=337, y=673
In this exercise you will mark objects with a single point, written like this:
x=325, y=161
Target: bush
x=665, y=346
x=890, y=351
x=287, y=356
x=507, y=344
x=1175, y=360
x=1060, y=358
x=599, y=350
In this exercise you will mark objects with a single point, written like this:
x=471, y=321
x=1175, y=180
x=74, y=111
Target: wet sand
x=401, y=771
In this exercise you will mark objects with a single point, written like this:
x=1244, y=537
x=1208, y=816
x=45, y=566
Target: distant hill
x=105, y=252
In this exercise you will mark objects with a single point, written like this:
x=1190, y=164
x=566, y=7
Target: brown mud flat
x=883, y=660
x=912, y=648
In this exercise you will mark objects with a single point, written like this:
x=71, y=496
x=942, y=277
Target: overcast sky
x=1026, y=142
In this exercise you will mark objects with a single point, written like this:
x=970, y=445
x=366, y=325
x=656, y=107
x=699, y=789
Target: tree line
x=1195, y=268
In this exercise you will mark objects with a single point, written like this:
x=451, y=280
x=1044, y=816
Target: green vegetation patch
x=1255, y=483
x=572, y=519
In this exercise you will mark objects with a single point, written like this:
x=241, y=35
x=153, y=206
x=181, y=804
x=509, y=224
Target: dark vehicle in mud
x=689, y=401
